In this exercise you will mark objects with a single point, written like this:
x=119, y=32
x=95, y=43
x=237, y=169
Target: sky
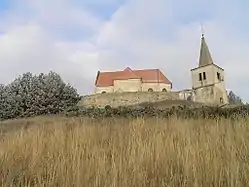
x=77, y=38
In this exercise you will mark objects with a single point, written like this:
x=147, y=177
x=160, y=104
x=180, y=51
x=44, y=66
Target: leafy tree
x=30, y=95
x=234, y=99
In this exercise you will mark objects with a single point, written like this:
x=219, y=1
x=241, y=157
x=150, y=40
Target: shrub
x=148, y=111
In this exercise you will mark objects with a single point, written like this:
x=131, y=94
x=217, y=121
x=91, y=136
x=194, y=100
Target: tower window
x=204, y=75
x=200, y=77
x=221, y=100
x=218, y=75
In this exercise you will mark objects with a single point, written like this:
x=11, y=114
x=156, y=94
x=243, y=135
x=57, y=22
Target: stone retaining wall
x=126, y=99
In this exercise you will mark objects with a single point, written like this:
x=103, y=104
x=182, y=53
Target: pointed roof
x=127, y=74
x=205, y=55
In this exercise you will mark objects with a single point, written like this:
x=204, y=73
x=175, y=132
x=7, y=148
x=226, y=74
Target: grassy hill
x=58, y=151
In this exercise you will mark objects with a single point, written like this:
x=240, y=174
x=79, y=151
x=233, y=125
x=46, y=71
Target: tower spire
x=205, y=57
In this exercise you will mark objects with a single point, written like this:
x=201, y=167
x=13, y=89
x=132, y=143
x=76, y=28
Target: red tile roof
x=105, y=79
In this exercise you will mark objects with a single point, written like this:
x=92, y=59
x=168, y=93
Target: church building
x=208, y=82
x=128, y=80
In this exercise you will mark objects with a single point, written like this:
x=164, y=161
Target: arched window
x=164, y=90
x=150, y=90
x=189, y=98
x=221, y=100
x=103, y=92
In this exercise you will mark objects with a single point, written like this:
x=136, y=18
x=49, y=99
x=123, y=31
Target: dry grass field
x=63, y=152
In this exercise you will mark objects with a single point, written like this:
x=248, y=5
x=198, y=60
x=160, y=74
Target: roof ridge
x=128, y=70
x=110, y=71
x=130, y=73
x=147, y=75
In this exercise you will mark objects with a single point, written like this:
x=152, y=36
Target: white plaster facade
x=130, y=85
x=134, y=85
x=207, y=75
x=156, y=87
x=106, y=89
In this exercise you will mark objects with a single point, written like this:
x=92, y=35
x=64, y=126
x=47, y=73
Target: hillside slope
x=165, y=104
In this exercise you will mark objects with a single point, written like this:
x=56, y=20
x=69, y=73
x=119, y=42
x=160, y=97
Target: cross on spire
x=202, y=31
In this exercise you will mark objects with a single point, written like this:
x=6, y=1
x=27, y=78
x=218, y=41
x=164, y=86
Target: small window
x=150, y=90
x=204, y=75
x=164, y=90
x=218, y=75
x=212, y=91
x=103, y=92
x=200, y=77
x=221, y=100
x=189, y=98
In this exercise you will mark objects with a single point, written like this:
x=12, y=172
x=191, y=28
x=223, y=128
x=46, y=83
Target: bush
x=31, y=95
x=148, y=111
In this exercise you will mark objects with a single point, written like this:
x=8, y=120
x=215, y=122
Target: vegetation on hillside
x=149, y=111
x=122, y=152
x=234, y=99
x=32, y=95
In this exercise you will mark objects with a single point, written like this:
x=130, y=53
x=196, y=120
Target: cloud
x=159, y=41
x=77, y=39
x=31, y=44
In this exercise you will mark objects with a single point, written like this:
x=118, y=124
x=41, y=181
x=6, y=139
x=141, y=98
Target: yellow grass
x=154, y=152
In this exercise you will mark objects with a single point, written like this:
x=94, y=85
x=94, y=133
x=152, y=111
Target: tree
x=234, y=99
x=30, y=95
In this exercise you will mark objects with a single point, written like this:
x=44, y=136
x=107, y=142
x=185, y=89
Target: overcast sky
x=76, y=38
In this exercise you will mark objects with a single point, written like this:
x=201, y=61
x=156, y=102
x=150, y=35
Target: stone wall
x=125, y=99
x=187, y=94
x=205, y=94
x=212, y=95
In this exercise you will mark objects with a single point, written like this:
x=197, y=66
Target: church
x=128, y=80
x=208, y=82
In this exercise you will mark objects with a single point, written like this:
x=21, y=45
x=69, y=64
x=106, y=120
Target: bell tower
x=208, y=80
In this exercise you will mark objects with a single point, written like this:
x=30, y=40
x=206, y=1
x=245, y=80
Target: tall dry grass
x=123, y=153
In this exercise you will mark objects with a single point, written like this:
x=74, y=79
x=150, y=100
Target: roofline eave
x=206, y=66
